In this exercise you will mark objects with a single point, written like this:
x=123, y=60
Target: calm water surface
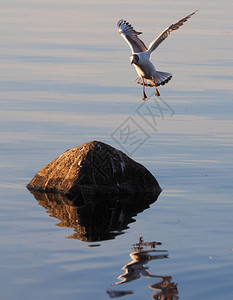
x=66, y=79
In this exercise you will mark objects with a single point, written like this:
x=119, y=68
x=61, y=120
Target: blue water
x=65, y=80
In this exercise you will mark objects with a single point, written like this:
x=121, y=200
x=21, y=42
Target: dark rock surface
x=91, y=170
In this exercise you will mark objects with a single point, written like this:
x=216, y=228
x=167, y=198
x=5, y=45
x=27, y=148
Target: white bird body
x=140, y=58
x=145, y=68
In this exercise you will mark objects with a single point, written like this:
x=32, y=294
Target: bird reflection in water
x=140, y=255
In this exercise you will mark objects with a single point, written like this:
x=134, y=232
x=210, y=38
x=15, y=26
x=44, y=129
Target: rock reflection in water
x=97, y=220
x=163, y=289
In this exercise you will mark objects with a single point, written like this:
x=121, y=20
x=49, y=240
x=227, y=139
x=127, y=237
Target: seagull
x=140, y=58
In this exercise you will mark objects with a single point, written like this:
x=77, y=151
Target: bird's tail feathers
x=160, y=78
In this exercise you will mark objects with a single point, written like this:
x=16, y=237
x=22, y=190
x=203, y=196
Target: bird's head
x=134, y=59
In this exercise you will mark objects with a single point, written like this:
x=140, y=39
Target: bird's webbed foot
x=144, y=96
x=157, y=92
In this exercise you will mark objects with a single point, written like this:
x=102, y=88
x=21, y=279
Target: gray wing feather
x=163, y=35
x=131, y=36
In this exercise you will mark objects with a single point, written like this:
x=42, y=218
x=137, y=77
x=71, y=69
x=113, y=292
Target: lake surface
x=66, y=79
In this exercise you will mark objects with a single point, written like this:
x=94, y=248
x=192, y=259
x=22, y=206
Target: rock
x=94, y=169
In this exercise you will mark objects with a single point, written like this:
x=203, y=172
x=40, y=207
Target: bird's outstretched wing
x=163, y=35
x=131, y=36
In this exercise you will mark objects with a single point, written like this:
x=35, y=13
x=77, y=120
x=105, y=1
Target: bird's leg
x=143, y=90
x=156, y=90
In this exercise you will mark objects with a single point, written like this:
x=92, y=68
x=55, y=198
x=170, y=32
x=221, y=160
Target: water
x=65, y=80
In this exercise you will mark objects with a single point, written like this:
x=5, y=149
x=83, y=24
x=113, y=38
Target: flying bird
x=140, y=58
